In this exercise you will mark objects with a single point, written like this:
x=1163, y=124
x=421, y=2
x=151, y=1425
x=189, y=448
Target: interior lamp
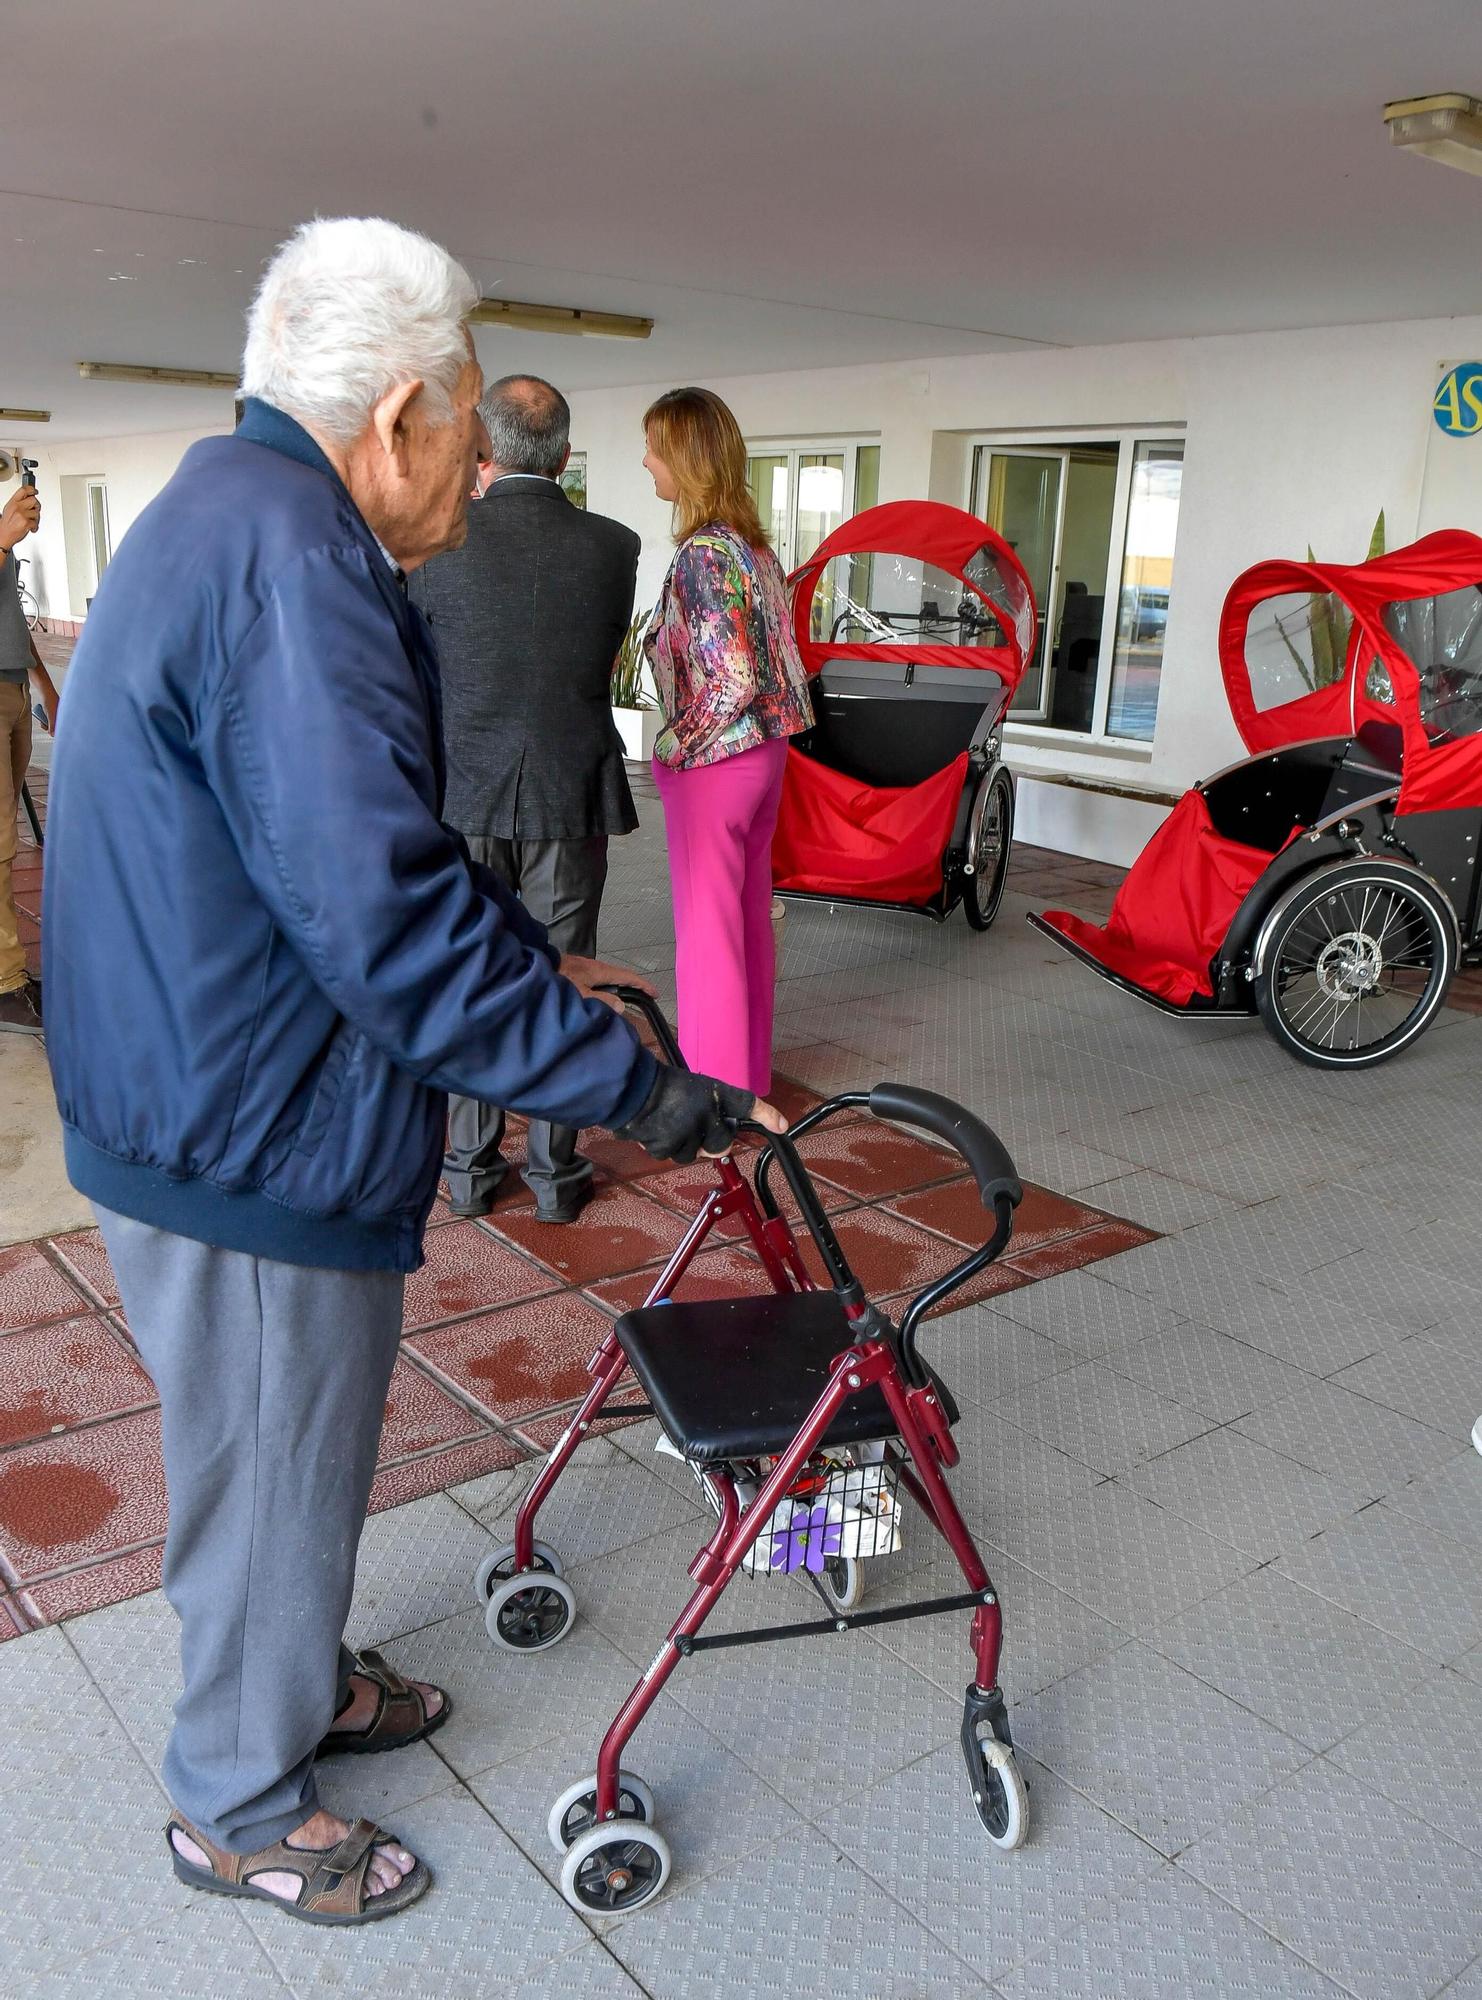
x=1446, y=127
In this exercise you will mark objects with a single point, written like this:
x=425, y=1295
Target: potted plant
x=633, y=710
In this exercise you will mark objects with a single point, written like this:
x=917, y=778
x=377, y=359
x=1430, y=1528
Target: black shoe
x=20, y=1011
x=470, y=1211
x=567, y=1206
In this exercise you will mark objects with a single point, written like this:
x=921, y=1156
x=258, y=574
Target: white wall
x=1291, y=438
x=135, y=469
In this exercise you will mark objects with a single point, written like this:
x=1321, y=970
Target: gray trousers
x=560, y=882
x=272, y=1382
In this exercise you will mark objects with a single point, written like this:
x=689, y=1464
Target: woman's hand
x=666, y=746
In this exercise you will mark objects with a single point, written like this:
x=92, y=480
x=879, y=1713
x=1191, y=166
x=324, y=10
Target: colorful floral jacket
x=721, y=647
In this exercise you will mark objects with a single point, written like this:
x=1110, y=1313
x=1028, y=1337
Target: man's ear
x=389, y=421
x=565, y=461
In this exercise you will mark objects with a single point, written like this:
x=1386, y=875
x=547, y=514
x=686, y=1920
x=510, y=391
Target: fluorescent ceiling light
x=1445, y=127
x=185, y=378
x=560, y=319
x=10, y=416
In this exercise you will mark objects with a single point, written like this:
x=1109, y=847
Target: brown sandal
x=401, y=1714
x=332, y=1879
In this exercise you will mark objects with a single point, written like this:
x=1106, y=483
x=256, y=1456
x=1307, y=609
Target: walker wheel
x=609, y=1871
x=572, y=1814
x=842, y=1582
x=1001, y=1796
x=526, y=1614
x=500, y=1563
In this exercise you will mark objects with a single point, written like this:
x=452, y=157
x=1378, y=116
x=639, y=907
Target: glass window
x=1295, y=644
x=1443, y=637
x=1093, y=522
x=877, y=599
x=1142, y=604
x=574, y=479
x=802, y=493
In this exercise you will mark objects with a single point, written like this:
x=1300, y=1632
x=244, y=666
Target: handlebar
x=986, y=1156
x=646, y=1005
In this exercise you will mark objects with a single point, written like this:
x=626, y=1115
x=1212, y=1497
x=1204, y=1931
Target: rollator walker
x=807, y=1418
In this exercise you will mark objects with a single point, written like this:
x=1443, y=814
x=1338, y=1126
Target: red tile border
x=95, y=1586
x=10, y=1625
x=715, y=1274
x=542, y=1432
x=522, y=1359
x=415, y=1478
x=956, y=1211
x=71, y=1372
x=684, y=1190
x=468, y=1270
x=33, y=1290
x=887, y=1255
x=1089, y=1246
x=421, y=1415
x=87, y=1261
x=620, y=1230
x=871, y=1161
x=89, y=1494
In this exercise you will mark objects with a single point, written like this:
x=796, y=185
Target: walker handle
x=649, y=1008
x=977, y=1143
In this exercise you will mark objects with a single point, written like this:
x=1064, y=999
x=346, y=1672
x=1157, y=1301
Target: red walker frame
x=880, y=1358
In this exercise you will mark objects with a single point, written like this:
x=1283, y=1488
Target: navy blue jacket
x=266, y=959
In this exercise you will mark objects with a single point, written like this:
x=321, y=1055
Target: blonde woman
x=733, y=689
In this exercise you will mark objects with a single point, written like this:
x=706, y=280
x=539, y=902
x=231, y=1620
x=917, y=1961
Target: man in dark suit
x=527, y=617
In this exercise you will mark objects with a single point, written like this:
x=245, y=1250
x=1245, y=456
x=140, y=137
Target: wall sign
x=1458, y=400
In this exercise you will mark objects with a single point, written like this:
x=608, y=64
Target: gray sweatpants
x=272, y=1382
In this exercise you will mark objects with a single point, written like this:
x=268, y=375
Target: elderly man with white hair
x=267, y=963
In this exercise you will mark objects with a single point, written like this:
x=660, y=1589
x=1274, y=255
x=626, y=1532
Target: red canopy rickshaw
x=1329, y=881
x=916, y=622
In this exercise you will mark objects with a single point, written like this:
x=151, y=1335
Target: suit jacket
x=527, y=617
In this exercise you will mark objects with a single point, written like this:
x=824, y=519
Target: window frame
x=1046, y=441
x=795, y=449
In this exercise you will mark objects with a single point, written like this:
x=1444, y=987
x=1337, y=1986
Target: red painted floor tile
x=1107, y=1239
x=790, y=1097
x=33, y=1290
x=872, y=1161
x=90, y=1493
x=10, y=1627
x=684, y=1189
x=715, y=1274
x=957, y=1211
x=621, y=1159
x=542, y=1432
x=523, y=1358
x=97, y=1585
x=56, y=1376
x=85, y=1257
x=619, y=1230
x=886, y=1255
x=420, y=1414
x=988, y=1284
x=415, y=1478
x=467, y=1270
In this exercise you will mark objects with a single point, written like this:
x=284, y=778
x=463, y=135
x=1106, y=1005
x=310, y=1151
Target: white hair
x=347, y=310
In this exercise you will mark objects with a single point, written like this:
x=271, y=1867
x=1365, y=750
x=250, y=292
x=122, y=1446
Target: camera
x=28, y=471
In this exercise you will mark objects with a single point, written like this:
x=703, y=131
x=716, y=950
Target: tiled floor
x=1215, y=1448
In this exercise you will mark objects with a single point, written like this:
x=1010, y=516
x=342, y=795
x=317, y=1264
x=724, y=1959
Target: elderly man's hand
x=21, y=517
x=587, y=974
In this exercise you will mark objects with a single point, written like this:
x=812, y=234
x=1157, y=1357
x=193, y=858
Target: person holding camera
x=20, y=665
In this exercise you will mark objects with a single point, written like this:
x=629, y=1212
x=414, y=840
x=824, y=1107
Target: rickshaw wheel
x=1354, y=963
x=990, y=836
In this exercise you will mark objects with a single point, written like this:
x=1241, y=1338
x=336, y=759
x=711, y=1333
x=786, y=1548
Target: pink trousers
x=719, y=819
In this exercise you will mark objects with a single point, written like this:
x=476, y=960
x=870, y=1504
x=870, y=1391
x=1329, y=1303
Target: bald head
x=529, y=424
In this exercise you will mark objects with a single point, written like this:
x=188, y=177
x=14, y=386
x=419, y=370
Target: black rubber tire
x=1416, y=937
x=983, y=890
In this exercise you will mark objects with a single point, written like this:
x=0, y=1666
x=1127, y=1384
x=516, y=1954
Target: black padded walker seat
x=734, y=1378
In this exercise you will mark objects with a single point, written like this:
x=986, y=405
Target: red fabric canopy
x=948, y=538
x=1173, y=910
x=884, y=844
x=1437, y=777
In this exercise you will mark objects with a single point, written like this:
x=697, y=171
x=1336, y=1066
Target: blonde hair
x=700, y=441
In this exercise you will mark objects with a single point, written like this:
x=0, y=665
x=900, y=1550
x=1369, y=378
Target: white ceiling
x=778, y=183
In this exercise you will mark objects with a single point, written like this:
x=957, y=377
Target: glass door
x=1021, y=494
x=767, y=476
x=1146, y=578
